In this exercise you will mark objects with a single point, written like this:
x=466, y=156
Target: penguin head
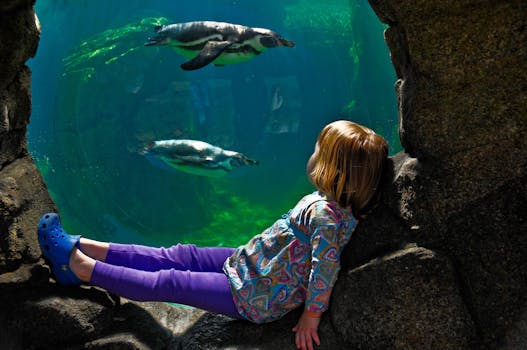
x=162, y=37
x=269, y=39
x=234, y=162
x=273, y=40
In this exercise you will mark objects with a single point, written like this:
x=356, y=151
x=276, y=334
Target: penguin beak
x=285, y=42
x=157, y=40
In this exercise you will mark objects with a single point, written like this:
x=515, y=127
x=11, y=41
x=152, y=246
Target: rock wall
x=440, y=263
x=462, y=94
x=22, y=193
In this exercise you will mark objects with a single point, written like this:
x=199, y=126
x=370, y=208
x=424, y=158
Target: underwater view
x=108, y=111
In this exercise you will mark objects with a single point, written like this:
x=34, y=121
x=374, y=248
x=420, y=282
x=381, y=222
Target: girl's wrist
x=314, y=314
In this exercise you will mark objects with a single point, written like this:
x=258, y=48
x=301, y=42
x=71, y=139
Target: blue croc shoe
x=56, y=245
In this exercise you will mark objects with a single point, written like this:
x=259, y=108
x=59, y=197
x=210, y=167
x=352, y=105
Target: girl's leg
x=180, y=257
x=94, y=249
x=205, y=290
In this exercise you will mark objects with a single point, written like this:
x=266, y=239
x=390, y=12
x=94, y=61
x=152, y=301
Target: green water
x=100, y=95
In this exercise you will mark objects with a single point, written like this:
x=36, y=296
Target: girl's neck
x=330, y=198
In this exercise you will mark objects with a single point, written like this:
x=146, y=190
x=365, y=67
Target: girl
x=292, y=263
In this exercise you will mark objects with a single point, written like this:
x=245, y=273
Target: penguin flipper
x=209, y=53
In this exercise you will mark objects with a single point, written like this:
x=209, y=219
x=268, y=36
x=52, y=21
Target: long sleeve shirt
x=295, y=261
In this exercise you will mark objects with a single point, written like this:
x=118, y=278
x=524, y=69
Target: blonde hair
x=348, y=164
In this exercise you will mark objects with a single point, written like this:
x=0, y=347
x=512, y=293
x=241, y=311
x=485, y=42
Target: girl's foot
x=57, y=245
x=81, y=265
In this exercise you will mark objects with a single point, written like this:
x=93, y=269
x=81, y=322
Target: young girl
x=292, y=263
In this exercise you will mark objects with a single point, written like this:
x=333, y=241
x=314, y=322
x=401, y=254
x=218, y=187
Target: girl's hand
x=306, y=330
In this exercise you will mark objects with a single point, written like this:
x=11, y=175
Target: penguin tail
x=142, y=149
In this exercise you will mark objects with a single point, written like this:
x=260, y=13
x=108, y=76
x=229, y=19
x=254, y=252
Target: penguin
x=219, y=43
x=194, y=157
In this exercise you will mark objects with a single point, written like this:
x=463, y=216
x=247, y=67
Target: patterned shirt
x=295, y=261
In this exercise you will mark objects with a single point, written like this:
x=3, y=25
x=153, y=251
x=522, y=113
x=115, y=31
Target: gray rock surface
x=58, y=316
x=408, y=299
x=458, y=196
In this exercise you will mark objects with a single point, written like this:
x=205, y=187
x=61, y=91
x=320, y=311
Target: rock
x=13, y=5
x=405, y=300
x=60, y=316
x=459, y=192
x=191, y=328
x=216, y=332
x=487, y=241
x=119, y=341
x=20, y=30
x=26, y=276
x=23, y=200
x=15, y=108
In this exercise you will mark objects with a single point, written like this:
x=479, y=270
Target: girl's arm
x=325, y=265
x=330, y=231
x=325, y=258
x=324, y=270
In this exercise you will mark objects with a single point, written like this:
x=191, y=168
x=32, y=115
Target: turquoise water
x=100, y=95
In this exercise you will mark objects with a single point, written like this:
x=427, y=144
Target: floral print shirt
x=295, y=261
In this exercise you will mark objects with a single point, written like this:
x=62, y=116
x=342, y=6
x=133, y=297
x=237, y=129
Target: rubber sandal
x=56, y=245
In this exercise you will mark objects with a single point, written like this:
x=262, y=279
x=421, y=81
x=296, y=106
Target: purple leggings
x=183, y=274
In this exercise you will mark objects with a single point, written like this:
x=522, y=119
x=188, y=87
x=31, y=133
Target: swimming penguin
x=219, y=43
x=195, y=157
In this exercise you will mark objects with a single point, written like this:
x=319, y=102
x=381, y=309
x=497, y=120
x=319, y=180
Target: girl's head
x=347, y=163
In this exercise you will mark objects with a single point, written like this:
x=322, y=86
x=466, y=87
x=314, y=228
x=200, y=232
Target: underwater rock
x=326, y=22
x=109, y=47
